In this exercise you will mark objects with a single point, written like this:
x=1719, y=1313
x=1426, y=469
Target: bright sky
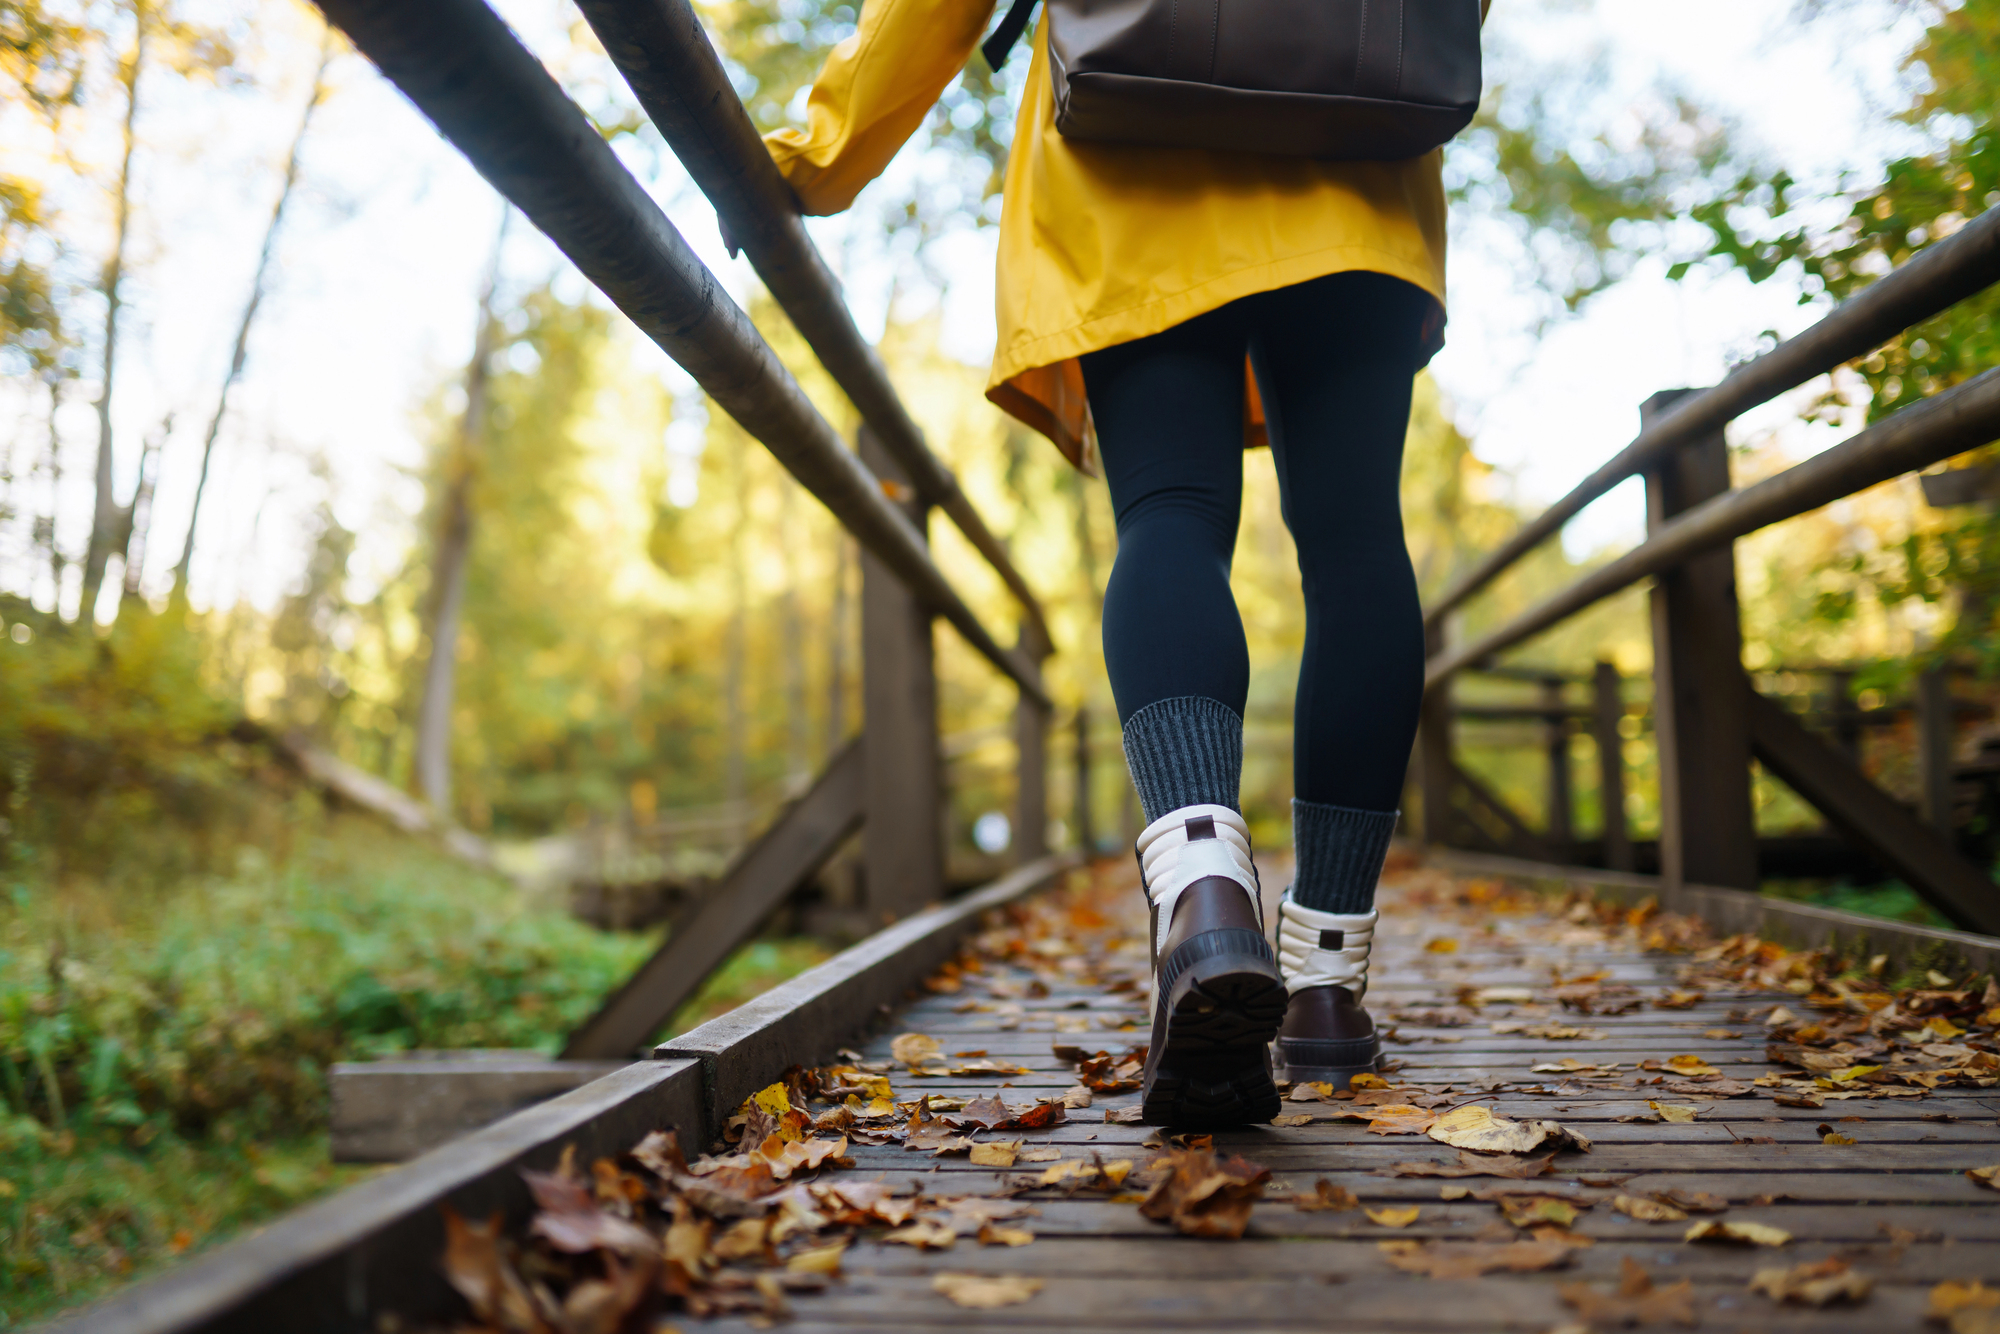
x=380, y=265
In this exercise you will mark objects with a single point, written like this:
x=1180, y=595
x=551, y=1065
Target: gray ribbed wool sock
x=1185, y=751
x=1339, y=852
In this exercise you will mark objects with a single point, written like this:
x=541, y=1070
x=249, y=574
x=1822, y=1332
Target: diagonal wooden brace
x=798, y=844
x=1831, y=780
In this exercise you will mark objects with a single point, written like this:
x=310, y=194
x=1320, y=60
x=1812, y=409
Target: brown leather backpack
x=1375, y=80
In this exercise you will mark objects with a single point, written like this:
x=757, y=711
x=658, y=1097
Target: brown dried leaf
x=1076, y=1097
x=916, y=1049
x=1525, y=1211
x=1400, y=1119
x=819, y=1259
x=1393, y=1216
x=570, y=1219
x=1950, y=1301
x=474, y=1265
x=1647, y=1211
x=1984, y=1176
x=986, y=1292
x=1293, y=1120
x=996, y=1153
x=1125, y=1116
x=1202, y=1195
x=1693, y=1201
x=989, y=1235
x=1517, y=1167
x=1737, y=1234
x=1675, y=1112
x=1470, y=1259
x=1817, y=1284
x=1326, y=1198
x=1476, y=1126
x=1637, y=1301
x=923, y=1234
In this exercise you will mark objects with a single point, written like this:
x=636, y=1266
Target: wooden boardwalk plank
x=1895, y=1203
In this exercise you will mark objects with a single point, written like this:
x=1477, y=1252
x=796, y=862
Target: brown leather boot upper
x=1328, y=1014
x=1210, y=904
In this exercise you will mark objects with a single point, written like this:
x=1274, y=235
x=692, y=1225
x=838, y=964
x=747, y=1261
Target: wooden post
x=1608, y=711
x=1555, y=741
x=903, y=779
x=1031, y=779
x=1708, y=832
x=1846, y=714
x=1934, y=746
x=1086, y=827
x=1434, y=764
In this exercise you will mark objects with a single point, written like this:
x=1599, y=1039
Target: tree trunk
x=736, y=659
x=447, y=597
x=105, y=517
x=236, y=356
x=137, y=526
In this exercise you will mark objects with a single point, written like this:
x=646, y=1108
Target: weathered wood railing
x=1709, y=721
x=492, y=99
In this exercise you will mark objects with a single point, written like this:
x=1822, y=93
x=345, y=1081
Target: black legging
x=1334, y=358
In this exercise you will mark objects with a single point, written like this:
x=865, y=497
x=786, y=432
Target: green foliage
x=100, y=734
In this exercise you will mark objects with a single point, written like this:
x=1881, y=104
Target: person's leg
x=1169, y=416
x=1334, y=360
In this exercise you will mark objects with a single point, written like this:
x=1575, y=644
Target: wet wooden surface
x=1895, y=1203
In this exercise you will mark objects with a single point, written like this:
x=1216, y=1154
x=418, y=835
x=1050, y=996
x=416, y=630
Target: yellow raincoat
x=1104, y=243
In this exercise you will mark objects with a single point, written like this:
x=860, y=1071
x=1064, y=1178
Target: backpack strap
x=1008, y=32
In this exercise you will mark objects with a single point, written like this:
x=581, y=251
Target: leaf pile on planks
x=768, y=1215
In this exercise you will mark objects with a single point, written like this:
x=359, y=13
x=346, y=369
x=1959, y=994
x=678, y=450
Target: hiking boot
x=1327, y=1036
x=1218, y=996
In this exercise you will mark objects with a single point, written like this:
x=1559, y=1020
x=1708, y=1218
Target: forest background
x=235, y=489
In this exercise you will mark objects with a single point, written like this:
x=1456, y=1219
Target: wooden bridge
x=1705, y=1093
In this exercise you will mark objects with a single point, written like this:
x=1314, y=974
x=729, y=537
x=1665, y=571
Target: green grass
x=163, y=1053
x=1891, y=899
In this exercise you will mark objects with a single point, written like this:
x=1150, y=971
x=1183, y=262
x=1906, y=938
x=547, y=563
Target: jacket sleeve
x=873, y=93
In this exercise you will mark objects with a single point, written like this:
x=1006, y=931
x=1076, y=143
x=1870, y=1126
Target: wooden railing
x=492, y=99
x=1709, y=720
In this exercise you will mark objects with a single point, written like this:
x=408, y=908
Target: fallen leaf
x=818, y=1259
x=1692, y=1201
x=995, y=1153
x=1720, y=1034
x=1811, y=1101
x=990, y=1235
x=1689, y=1065
x=1470, y=1259
x=990, y=1068
x=475, y=1266
x=1400, y=1119
x=1835, y=1137
x=1202, y=1195
x=1984, y=1176
x=1517, y=1167
x=924, y=1235
x=1637, y=1301
x=1364, y=1081
x=1441, y=945
x=1038, y=1155
x=1076, y=1098
x=1950, y=1300
x=1453, y=1192
x=986, y=1292
x=1293, y=1120
x=1647, y=1211
x=1677, y=1113
x=1740, y=1234
x=1476, y=1126
x=1679, y=1000
x=1525, y=1211
x=1124, y=1116
x=1041, y=1116
x=1717, y=1087
x=1817, y=1284
x=1393, y=1216
x=916, y=1049
x=1326, y=1198
x=1315, y=1090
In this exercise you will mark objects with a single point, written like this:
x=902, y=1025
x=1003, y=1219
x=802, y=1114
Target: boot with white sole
x=1218, y=995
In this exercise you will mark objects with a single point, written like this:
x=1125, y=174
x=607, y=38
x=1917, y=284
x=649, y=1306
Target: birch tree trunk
x=447, y=596
x=238, y=352
x=105, y=517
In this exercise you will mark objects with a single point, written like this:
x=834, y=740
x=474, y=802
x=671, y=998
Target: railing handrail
x=460, y=64
x=673, y=69
x=1938, y=277
x=1961, y=418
